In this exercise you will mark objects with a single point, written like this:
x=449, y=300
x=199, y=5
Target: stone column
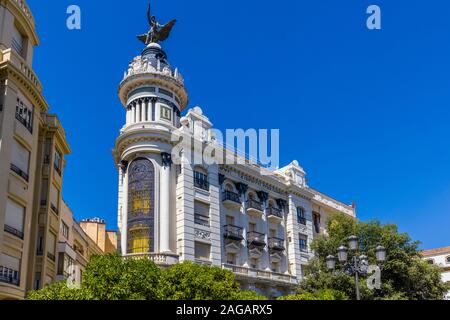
x=164, y=212
x=124, y=231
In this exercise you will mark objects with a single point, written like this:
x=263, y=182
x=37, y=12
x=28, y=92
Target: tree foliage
x=111, y=277
x=326, y=294
x=404, y=274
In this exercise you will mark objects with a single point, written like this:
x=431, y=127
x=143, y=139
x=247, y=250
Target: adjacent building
x=441, y=258
x=33, y=148
x=242, y=217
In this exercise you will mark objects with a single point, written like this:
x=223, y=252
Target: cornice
x=161, y=80
x=24, y=84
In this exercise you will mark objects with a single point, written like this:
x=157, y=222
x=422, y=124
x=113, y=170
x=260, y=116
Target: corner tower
x=153, y=95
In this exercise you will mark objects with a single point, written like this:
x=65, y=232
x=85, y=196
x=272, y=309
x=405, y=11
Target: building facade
x=33, y=148
x=78, y=242
x=242, y=217
x=441, y=258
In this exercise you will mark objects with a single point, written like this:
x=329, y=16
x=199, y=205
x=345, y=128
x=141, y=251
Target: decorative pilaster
x=165, y=203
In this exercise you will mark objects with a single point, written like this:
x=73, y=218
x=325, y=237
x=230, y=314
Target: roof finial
x=157, y=32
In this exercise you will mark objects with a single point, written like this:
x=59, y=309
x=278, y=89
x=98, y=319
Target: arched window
x=141, y=211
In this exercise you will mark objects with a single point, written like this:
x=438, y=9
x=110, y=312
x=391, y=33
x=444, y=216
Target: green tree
x=58, y=291
x=190, y=281
x=326, y=294
x=404, y=274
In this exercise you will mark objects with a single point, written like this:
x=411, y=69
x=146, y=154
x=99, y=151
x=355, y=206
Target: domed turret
x=152, y=90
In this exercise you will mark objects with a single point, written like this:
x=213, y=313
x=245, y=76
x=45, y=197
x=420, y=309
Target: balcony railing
x=201, y=181
x=201, y=220
x=54, y=208
x=26, y=123
x=17, y=170
x=10, y=276
x=233, y=232
x=57, y=169
x=275, y=212
x=231, y=196
x=255, y=273
x=14, y=232
x=276, y=244
x=256, y=239
x=301, y=220
x=51, y=256
x=253, y=204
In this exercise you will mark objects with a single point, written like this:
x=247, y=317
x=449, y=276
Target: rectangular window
x=60, y=270
x=274, y=267
x=317, y=219
x=254, y=263
x=64, y=230
x=231, y=258
x=201, y=212
x=58, y=162
x=230, y=220
x=40, y=243
x=166, y=113
x=201, y=180
x=37, y=281
x=25, y=115
x=252, y=227
x=51, y=245
x=54, y=199
x=10, y=269
x=17, y=42
x=20, y=160
x=303, y=243
x=202, y=251
x=301, y=216
x=14, y=220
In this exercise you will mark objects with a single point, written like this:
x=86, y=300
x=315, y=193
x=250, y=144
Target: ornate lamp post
x=358, y=265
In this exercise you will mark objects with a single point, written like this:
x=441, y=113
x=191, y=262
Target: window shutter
x=54, y=196
x=20, y=157
x=202, y=251
x=17, y=41
x=51, y=243
x=14, y=215
x=10, y=262
x=201, y=208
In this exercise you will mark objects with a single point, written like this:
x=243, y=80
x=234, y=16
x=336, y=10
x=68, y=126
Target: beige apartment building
x=33, y=147
x=78, y=242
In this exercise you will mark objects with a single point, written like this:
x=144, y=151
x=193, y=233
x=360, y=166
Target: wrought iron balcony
x=53, y=207
x=17, y=170
x=26, y=123
x=253, y=204
x=231, y=199
x=10, y=276
x=274, y=212
x=233, y=232
x=256, y=239
x=201, y=181
x=301, y=220
x=276, y=244
x=201, y=220
x=14, y=232
x=51, y=256
x=274, y=215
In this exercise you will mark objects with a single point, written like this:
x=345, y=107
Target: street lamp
x=342, y=254
x=358, y=264
x=353, y=243
x=380, y=253
x=331, y=262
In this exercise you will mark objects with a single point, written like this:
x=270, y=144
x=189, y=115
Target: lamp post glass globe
x=342, y=254
x=380, y=253
x=331, y=262
x=353, y=243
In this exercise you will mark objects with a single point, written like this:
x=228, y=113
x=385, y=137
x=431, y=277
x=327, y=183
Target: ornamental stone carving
x=202, y=234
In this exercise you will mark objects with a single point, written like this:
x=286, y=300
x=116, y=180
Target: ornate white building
x=256, y=223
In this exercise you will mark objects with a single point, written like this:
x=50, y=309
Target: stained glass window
x=141, y=199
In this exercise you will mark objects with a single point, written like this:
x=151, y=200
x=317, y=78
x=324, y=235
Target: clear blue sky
x=366, y=113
